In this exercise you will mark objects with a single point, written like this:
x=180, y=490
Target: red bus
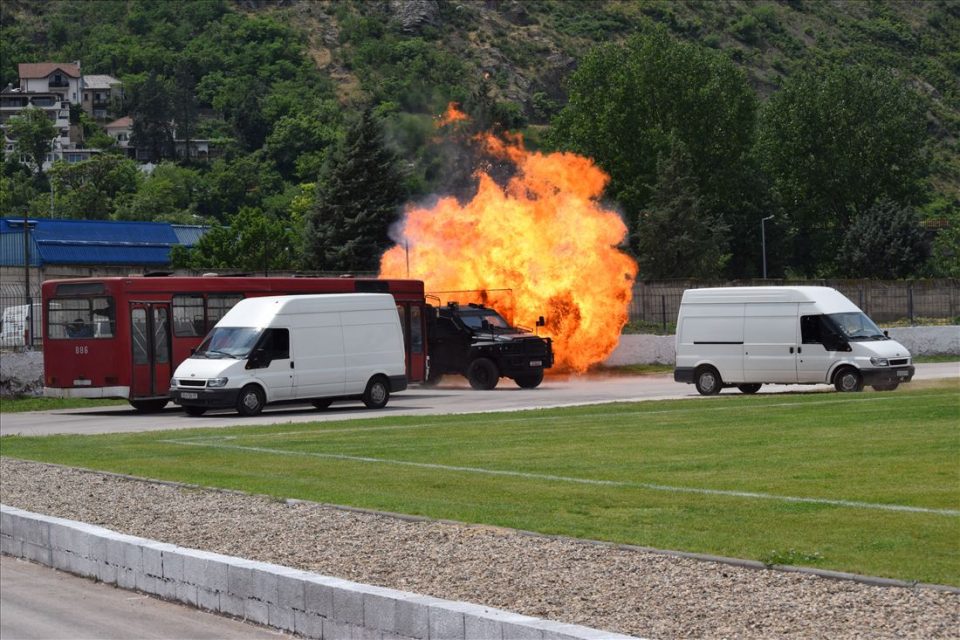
x=124, y=337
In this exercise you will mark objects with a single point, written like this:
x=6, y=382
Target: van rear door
x=770, y=340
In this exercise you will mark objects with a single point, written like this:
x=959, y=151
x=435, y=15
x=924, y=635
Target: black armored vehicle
x=475, y=341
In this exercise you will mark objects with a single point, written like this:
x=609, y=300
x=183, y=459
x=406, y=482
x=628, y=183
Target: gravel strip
x=623, y=590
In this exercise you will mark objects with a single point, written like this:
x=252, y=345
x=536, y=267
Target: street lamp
x=763, y=242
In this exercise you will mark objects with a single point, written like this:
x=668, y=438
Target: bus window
x=161, y=340
x=416, y=330
x=71, y=318
x=218, y=305
x=188, y=316
x=138, y=331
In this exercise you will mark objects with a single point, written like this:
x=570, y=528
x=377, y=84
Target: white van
x=749, y=336
x=317, y=348
x=13, y=325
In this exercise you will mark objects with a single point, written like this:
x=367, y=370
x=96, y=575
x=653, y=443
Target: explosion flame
x=541, y=245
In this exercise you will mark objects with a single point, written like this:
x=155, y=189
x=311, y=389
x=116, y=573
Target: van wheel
x=148, y=406
x=886, y=387
x=529, y=381
x=250, y=401
x=377, y=393
x=483, y=374
x=322, y=403
x=847, y=380
x=708, y=381
x=749, y=388
x=195, y=411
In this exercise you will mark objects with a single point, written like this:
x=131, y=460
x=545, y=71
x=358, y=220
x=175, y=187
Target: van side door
x=318, y=343
x=270, y=361
x=770, y=342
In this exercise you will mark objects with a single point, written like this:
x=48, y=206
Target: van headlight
x=217, y=382
x=880, y=362
x=173, y=383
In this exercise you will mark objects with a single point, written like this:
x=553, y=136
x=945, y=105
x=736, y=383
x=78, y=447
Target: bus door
x=412, y=321
x=150, y=345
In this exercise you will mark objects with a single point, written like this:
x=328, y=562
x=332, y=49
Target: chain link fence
x=654, y=305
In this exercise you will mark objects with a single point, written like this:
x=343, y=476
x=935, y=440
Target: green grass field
x=867, y=483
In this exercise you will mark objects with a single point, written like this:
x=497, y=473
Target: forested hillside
x=840, y=119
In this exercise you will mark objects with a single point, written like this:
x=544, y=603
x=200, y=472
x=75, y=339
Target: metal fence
x=654, y=304
x=886, y=301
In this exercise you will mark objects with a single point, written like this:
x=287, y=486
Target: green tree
x=243, y=181
x=676, y=237
x=885, y=241
x=33, y=135
x=629, y=102
x=92, y=189
x=252, y=241
x=358, y=197
x=152, y=112
x=18, y=188
x=169, y=193
x=833, y=142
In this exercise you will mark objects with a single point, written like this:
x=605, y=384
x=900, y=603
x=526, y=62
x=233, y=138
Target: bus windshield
x=855, y=325
x=228, y=342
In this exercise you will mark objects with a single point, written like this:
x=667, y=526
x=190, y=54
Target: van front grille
x=191, y=383
x=896, y=362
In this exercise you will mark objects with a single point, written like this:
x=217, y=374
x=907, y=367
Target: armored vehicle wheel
x=483, y=374
x=250, y=401
x=195, y=411
x=749, y=388
x=530, y=380
x=377, y=393
x=708, y=381
x=848, y=379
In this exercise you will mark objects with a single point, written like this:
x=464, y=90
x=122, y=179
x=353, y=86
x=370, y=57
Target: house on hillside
x=52, y=87
x=99, y=92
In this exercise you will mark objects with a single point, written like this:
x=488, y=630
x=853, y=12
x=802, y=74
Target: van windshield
x=228, y=342
x=855, y=325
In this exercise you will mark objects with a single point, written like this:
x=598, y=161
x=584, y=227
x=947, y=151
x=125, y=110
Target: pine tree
x=676, y=236
x=359, y=194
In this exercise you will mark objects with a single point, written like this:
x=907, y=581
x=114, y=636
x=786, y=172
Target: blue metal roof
x=87, y=242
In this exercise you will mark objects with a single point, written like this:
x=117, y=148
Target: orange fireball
x=541, y=245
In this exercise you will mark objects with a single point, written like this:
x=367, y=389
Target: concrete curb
x=309, y=604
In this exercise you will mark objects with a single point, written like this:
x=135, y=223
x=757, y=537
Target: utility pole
x=763, y=243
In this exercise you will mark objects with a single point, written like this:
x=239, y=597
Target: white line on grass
x=588, y=481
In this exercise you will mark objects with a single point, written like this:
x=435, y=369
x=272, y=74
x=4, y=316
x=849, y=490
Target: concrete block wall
x=309, y=604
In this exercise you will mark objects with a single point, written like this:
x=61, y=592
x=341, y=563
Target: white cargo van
x=316, y=348
x=749, y=336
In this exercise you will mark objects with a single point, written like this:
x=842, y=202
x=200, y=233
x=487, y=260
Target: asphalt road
x=451, y=396
x=45, y=604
